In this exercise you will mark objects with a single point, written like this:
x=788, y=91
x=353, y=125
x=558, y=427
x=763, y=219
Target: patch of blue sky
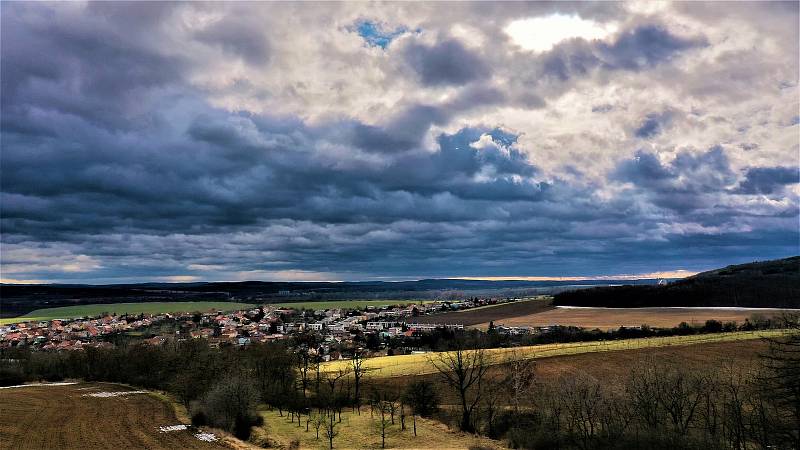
x=376, y=35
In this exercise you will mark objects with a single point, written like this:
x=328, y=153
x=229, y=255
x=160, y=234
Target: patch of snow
x=207, y=437
x=112, y=394
x=167, y=429
x=66, y=383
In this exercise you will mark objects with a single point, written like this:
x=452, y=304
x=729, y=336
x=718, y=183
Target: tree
x=422, y=398
x=273, y=368
x=491, y=402
x=464, y=371
x=231, y=406
x=304, y=363
x=780, y=380
x=357, y=366
x=385, y=407
x=330, y=429
x=318, y=421
x=520, y=378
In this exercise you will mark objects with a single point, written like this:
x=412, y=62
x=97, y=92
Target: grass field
x=362, y=432
x=612, y=318
x=67, y=312
x=405, y=365
x=47, y=417
x=347, y=304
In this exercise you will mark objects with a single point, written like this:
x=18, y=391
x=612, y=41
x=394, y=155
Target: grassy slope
x=404, y=365
x=123, y=308
x=361, y=431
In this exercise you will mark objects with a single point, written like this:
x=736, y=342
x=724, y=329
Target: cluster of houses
x=70, y=334
x=260, y=324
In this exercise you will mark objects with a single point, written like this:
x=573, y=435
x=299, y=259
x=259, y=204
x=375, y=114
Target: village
x=335, y=328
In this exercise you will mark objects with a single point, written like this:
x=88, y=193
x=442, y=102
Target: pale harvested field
x=611, y=318
x=50, y=417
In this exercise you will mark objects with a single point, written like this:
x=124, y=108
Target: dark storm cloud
x=402, y=132
x=653, y=124
x=767, y=180
x=241, y=39
x=643, y=47
x=445, y=63
x=688, y=171
x=74, y=68
x=683, y=184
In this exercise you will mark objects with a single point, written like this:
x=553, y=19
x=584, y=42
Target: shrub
x=231, y=406
x=198, y=415
x=10, y=376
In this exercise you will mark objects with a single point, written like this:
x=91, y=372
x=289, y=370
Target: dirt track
x=48, y=417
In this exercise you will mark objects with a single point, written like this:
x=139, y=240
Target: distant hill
x=765, y=284
x=16, y=299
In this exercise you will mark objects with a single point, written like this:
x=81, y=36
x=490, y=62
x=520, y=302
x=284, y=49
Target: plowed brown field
x=59, y=417
x=485, y=314
x=612, y=318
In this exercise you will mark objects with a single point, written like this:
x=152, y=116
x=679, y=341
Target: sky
x=387, y=141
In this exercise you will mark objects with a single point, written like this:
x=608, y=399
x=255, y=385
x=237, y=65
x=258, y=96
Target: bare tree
x=520, y=378
x=422, y=398
x=582, y=400
x=491, y=395
x=642, y=387
x=384, y=407
x=780, y=380
x=680, y=394
x=358, y=369
x=464, y=371
x=318, y=420
x=330, y=429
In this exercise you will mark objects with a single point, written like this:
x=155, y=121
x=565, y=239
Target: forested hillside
x=767, y=284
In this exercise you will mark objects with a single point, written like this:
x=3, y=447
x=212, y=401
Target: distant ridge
x=763, y=284
x=18, y=299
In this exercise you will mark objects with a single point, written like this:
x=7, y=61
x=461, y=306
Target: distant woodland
x=768, y=284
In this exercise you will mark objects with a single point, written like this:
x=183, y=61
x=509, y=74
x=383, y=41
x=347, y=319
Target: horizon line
x=674, y=274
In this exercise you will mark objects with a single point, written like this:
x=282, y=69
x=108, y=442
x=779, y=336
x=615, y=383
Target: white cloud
x=541, y=34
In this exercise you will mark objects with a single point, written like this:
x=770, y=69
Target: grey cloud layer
x=123, y=158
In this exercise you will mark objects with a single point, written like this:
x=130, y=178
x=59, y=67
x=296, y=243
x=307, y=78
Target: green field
x=420, y=364
x=68, y=312
x=347, y=304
